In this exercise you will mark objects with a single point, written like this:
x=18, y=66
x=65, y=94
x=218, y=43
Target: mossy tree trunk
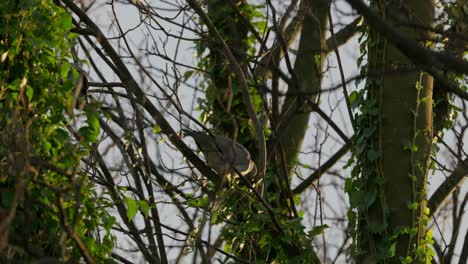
x=395, y=133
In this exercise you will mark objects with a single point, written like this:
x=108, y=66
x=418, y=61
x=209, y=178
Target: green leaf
x=348, y=185
x=144, y=207
x=413, y=205
x=375, y=228
x=66, y=21
x=391, y=250
x=29, y=92
x=427, y=211
x=88, y=134
x=12, y=52
x=406, y=260
x=132, y=208
x=318, y=230
x=420, y=252
x=93, y=120
x=373, y=155
x=380, y=180
x=82, y=152
x=64, y=70
x=188, y=74
x=351, y=215
x=156, y=129
x=352, y=98
x=265, y=240
x=199, y=203
x=46, y=145
x=368, y=131
x=361, y=199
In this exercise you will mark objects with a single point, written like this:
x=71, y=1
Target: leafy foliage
x=48, y=206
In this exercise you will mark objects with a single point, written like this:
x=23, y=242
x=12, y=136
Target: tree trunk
x=306, y=80
x=399, y=102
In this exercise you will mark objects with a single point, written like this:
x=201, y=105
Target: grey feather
x=223, y=154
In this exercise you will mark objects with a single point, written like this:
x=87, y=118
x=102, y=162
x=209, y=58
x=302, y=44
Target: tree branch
x=464, y=254
x=447, y=187
x=345, y=34
x=429, y=60
x=327, y=165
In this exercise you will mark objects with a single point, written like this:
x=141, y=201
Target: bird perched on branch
x=224, y=155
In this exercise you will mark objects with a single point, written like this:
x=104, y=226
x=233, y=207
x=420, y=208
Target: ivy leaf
x=407, y=260
x=391, y=250
x=375, y=228
x=352, y=99
x=426, y=212
x=361, y=200
x=413, y=205
x=373, y=155
x=132, y=208
x=348, y=185
x=380, y=180
x=369, y=131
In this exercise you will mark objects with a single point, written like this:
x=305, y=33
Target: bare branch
x=447, y=187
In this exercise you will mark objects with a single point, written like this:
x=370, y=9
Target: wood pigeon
x=224, y=155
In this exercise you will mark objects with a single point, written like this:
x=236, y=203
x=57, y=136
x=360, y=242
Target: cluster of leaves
x=246, y=234
x=47, y=198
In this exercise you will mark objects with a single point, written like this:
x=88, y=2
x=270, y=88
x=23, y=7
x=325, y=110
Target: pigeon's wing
x=222, y=153
x=235, y=154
